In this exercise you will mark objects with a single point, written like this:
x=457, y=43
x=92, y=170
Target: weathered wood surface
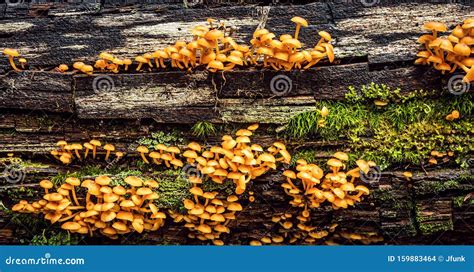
x=391, y=210
x=37, y=108
x=371, y=44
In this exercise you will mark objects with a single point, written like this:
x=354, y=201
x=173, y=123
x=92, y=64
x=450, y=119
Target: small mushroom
x=12, y=53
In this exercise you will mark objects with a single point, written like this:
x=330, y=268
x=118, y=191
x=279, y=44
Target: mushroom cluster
x=213, y=47
x=236, y=159
x=446, y=54
x=110, y=210
x=309, y=188
x=161, y=154
x=66, y=152
x=435, y=156
x=208, y=215
x=285, y=52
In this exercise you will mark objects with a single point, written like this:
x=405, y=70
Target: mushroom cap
x=204, y=228
x=177, y=162
x=467, y=40
x=300, y=21
x=265, y=51
x=296, y=57
x=22, y=60
x=141, y=59
x=46, y=184
x=235, y=60
x=11, y=52
x=435, y=26
x=142, y=149
x=341, y=156
x=196, y=191
x=462, y=49
x=329, y=51
x=234, y=207
x=293, y=43
x=259, y=32
x=87, y=69
x=73, y=181
x=334, y=163
x=127, y=216
x=72, y=226
x=144, y=191
x=446, y=45
x=109, y=147
x=173, y=149
x=325, y=35
x=194, y=146
x=119, y=190
x=95, y=142
x=282, y=56
x=214, y=34
x=215, y=64
x=133, y=181
x=154, y=155
x=443, y=67
x=289, y=174
x=103, y=180
x=362, y=189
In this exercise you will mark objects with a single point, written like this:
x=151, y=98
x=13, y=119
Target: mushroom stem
x=77, y=154
x=94, y=150
x=12, y=63
x=462, y=66
x=144, y=158
x=297, y=31
x=74, y=195
x=87, y=152
x=107, y=154
x=69, y=217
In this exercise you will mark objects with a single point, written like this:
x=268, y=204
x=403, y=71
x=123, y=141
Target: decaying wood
x=39, y=107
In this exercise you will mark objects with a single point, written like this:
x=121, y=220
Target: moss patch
x=55, y=238
x=406, y=130
x=161, y=137
x=434, y=187
x=203, y=129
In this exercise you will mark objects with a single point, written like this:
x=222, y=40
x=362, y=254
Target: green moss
x=434, y=187
x=55, y=238
x=427, y=228
x=203, y=129
x=161, y=137
x=173, y=189
x=404, y=131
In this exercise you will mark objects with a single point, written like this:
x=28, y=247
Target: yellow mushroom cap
x=300, y=21
x=435, y=26
x=462, y=49
x=341, y=156
x=72, y=226
x=46, y=184
x=95, y=142
x=142, y=149
x=103, y=180
x=215, y=64
x=133, y=181
x=141, y=59
x=325, y=35
x=293, y=43
x=73, y=181
x=334, y=163
x=259, y=32
x=11, y=52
